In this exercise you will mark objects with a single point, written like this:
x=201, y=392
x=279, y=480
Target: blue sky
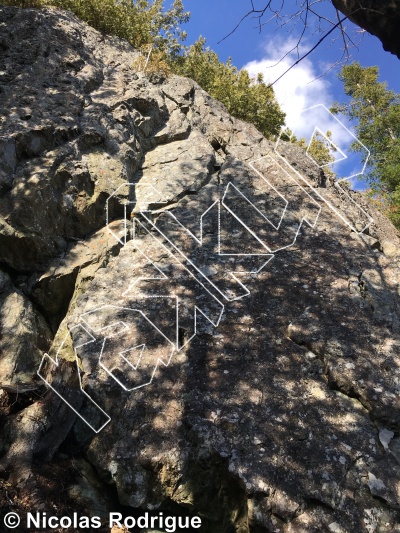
x=258, y=50
x=215, y=19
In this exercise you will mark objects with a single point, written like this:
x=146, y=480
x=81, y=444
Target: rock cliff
x=192, y=319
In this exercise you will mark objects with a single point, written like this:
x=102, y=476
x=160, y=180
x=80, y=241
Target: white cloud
x=299, y=88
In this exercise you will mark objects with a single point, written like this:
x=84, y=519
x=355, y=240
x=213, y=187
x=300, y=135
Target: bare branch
x=300, y=15
x=262, y=11
x=310, y=51
x=342, y=32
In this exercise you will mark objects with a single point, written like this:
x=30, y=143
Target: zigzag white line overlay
x=315, y=191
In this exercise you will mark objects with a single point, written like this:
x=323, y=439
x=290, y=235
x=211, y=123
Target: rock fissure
x=333, y=384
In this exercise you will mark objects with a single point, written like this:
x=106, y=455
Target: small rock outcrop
x=217, y=328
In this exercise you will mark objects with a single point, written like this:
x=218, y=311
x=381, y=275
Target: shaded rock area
x=381, y=19
x=218, y=323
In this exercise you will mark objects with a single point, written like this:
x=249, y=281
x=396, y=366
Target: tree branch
x=295, y=16
x=310, y=51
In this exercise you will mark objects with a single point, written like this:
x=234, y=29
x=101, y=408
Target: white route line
x=87, y=328
x=340, y=123
x=333, y=208
x=337, y=149
x=100, y=331
x=197, y=268
x=196, y=308
x=302, y=220
x=55, y=362
x=315, y=191
x=174, y=346
x=230, y=184
x=126, y=203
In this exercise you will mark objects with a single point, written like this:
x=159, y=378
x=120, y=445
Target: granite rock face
x=231, y=314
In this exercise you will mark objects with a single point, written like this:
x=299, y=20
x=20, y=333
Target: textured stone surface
x=53, y=289
x=278, y=410
x=381, y=19
x=25, y=335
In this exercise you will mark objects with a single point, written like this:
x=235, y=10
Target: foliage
x=377, y=112
x=151, y=60
x=389, y=205
x=140, y=22
x=321, y=150
x=245, y=98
